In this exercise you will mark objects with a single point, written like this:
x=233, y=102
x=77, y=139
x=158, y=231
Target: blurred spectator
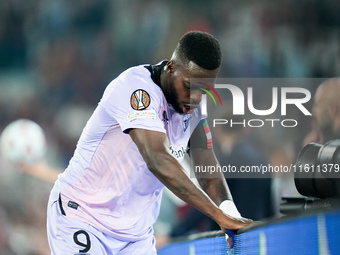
x=326, y=112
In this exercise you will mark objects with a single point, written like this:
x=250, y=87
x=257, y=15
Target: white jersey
x=107, y=184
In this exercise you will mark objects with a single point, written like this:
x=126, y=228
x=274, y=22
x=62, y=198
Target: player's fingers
x=238, y=223
x=230, y=236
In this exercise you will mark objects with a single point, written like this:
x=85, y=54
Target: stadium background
x=57, y=56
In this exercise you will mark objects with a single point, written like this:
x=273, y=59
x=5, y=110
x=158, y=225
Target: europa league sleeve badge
x=140, y=99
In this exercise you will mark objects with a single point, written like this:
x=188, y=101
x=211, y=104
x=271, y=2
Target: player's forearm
x=153, y=147
x=216, y=188
x=214, y=184
x=179, y=183
x=169, y=172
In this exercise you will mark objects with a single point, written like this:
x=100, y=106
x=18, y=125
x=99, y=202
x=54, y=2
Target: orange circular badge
x=140, y=99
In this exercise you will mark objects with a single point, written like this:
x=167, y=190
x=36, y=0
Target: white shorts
x=67, y=236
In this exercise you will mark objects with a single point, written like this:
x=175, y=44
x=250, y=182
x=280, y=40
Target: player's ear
x=170, y=67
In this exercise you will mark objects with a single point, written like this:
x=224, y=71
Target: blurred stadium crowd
x=57, y=56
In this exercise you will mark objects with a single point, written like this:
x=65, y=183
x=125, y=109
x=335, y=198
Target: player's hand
x=231, y=225
x=233, y=221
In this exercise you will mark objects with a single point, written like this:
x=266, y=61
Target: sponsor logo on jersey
x=141, y=114
x=178, y=153
x=140, y=99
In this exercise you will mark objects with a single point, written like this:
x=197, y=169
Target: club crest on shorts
x=140, y=99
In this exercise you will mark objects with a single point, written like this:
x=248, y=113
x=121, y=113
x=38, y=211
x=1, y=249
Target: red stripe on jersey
x=206, y=129
x=208, y=135
x=209, y=144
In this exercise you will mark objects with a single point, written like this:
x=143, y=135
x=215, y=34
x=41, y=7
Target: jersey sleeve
x=134, y=102
x=201, y=136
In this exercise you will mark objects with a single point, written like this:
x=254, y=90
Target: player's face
x=183, y=96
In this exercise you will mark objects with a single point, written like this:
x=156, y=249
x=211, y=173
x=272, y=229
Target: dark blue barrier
x=317, y=233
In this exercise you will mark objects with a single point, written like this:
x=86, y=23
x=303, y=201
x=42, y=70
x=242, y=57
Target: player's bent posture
x=109, y=196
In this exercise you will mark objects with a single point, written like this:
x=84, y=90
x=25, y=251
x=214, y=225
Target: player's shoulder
x=134, y=72
x=136, y=77
x=135, y=80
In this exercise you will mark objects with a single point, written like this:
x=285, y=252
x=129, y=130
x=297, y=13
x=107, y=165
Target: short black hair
x=201, y=48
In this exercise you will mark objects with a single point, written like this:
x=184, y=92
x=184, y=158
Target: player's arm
x=154, y=147
x=202, y=155
x=214, y=184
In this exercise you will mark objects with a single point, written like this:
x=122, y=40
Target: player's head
x=199, y=48
x=326, y=109
x=197, y=55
